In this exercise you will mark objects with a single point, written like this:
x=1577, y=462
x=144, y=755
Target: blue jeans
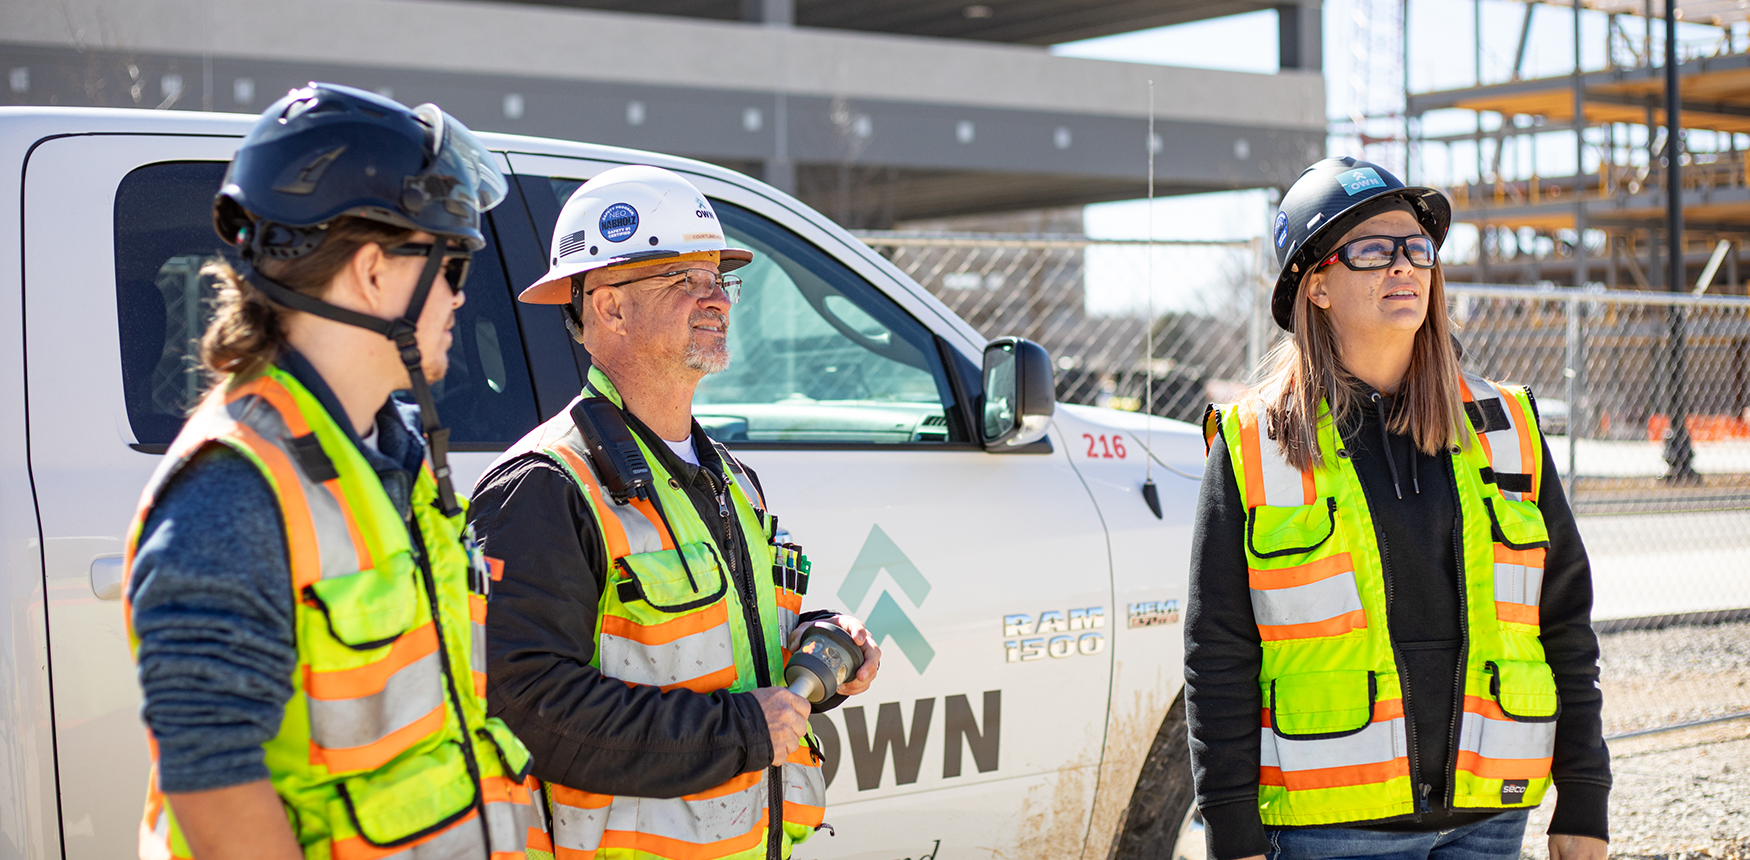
x=1494, y=838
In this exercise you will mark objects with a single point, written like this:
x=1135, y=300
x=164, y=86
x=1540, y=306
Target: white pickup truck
x=1027, y=597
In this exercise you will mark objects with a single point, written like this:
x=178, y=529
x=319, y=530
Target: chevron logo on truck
x=888, y=620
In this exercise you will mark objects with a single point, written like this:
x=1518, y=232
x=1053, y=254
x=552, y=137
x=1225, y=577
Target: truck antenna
x=1150, y=493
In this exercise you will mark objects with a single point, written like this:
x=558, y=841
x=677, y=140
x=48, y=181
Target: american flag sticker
x=571, y=244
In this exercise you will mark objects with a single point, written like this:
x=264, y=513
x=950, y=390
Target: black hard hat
x=1329, y=199
x=325, y=151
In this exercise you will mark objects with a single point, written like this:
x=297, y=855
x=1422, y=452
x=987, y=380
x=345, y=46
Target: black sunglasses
x=456, y=260
x=1377, y=252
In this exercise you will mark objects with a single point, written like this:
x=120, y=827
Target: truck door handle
x=106, y=577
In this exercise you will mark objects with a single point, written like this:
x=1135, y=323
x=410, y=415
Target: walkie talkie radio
x=612, y=449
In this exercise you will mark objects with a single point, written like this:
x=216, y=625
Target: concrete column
x=778, y=170
x=1300, y=35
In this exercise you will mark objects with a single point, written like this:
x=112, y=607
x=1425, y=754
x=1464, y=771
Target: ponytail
x=247, y=334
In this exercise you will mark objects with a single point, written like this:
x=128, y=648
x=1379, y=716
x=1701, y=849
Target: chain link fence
x=1645, y=397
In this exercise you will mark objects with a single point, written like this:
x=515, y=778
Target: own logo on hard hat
x=1359, y=180
x=700, y=210
x=619, y=222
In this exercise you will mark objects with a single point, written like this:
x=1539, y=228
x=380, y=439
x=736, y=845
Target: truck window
x=163, y=236
x=818, y=355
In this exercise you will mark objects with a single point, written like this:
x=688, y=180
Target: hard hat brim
x=554, y=288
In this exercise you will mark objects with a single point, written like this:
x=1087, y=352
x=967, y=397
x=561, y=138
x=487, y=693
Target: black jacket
x=1418, y=541
x=586, y=730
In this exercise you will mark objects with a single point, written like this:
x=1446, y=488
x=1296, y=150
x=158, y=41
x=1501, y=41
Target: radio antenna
x=1150, y=493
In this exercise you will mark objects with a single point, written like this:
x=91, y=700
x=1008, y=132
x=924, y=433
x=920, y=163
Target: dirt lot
x=1682, y=794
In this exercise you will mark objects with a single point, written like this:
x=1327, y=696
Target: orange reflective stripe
x=612, y=532
x=1518, y=613
x=480, y=684
x=676, y=849
x=1464, y=389
x=1335, y=777
x=580, y=799
x=560, y=852
x=1254, y=467
x=1308, y=490
x=503, y=789
x=539, y=840
x=649, y=511
x=302, y=552
x=668, y=631
x=368, y=679
x=802, y=755
x=718, y=680
x=1341, y=624
x=477, y=608
x=789, y=600
x=1486, y=708
x=1302, y=574
x=375, y=755
x=356, y=848
x=1527, y=557
x=1521, y=424
x=739, y=783
x=495, y=567
x=802, y=813
x=1504, y=768
x=278, y=397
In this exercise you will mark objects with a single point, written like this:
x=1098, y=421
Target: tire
x=1162, y=821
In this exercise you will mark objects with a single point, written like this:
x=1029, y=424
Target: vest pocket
x=1516, y=525
x=1274, y=532
x=673, y=580
x=515, y=757
x=371, y=608
x=413, y=799
x=1525, y=691
x=1321, y=705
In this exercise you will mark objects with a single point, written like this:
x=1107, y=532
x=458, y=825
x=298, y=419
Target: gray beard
x=705, y=360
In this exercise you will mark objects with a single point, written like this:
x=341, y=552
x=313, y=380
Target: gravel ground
x=1684, y=794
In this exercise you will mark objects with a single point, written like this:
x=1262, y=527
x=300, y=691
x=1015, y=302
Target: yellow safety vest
x=672, y=625
x=1333, y=742
x=385, y=749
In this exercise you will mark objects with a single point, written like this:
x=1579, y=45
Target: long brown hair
x=1305, y=370
x=248, y=332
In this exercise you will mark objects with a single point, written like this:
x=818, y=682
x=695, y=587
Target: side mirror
x=1019, y=393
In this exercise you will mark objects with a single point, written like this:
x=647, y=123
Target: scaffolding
x=1602, y=224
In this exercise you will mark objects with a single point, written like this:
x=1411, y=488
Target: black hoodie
x=1414, y=503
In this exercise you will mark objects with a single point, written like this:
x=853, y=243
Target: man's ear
x=365, y=278
x=609, y=307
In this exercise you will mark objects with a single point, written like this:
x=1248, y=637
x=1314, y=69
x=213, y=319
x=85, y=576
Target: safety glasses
x=456, y=260
x=699, y=283
x=1377, y=252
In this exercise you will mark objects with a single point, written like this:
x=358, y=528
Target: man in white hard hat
x=645, y=594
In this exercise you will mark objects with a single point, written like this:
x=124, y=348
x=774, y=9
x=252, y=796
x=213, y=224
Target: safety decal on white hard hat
x=631, y=215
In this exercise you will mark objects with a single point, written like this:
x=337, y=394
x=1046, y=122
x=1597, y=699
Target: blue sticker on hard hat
x=571, y=244
x=619, y=222
x=1359, y=180
x=1281, y=228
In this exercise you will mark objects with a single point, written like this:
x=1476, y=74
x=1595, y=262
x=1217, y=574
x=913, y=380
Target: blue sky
x=1441, y=56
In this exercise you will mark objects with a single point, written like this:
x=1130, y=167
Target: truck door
x=985, y=576
x=116, y=228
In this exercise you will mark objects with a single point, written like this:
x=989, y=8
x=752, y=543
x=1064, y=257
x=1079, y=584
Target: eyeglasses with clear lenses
x=1377, y=252
x=456, y=260
x=699, y=283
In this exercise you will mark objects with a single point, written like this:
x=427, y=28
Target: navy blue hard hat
x=1326, y=202
x=326, y=151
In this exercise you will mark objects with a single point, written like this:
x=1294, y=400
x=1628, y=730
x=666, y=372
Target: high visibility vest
x=671, y=625
x=385, y=749
x=1334, y=744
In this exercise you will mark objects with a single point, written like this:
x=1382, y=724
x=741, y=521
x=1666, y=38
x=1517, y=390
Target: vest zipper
x=1463, y=646
x=1397, y=656
x=455, y=698
x=750, y=610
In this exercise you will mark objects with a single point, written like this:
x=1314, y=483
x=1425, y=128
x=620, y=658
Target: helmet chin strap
x=405, y=333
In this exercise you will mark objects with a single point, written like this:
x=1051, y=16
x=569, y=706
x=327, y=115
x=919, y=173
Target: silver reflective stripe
x=461, y=840
x=333, y=538
x=702, y=822
x=577, y=828
x=1518, y=583
x=686, y=658
x=1379, y=742
x=786, y=624
x=1305, y=604
x=1506, y=739
x=1504, y=455
x=414, y=691
x=477, y=647
x=1282, y=483
x=804, y=784
x=509, y=824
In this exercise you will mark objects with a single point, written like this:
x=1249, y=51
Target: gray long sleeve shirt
x=211, y=590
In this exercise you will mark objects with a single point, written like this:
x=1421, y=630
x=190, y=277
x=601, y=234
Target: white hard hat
x=631, y=215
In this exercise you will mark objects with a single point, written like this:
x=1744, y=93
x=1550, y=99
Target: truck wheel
x=1162, y=821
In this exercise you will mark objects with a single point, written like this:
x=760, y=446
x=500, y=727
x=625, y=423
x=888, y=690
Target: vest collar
x=599, y=384
x=400, y=451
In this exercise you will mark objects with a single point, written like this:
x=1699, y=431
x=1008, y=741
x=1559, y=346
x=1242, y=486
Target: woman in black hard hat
x=305, y=602
x=1388, y=651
